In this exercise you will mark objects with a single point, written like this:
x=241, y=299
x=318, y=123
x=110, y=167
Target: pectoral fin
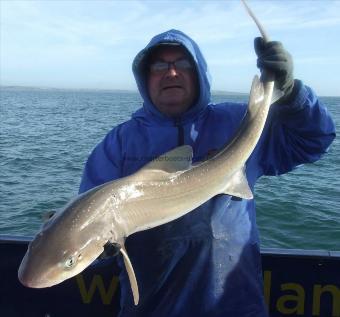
x=131, y=274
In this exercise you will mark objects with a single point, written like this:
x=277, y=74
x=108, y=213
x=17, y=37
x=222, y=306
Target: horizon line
x=215, y=91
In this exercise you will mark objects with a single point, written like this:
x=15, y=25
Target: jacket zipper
x=180, y=129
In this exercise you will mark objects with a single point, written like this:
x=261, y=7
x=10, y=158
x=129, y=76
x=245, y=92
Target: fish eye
x=70, y=262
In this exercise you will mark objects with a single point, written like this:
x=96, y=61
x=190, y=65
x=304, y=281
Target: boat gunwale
x=276, y=252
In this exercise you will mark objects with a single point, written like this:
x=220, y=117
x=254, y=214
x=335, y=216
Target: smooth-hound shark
x=163, y=190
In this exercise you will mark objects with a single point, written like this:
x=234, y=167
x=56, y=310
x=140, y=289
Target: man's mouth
x=172, y=87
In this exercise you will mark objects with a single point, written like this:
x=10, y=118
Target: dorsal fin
x=177, y=160
x=256, y=97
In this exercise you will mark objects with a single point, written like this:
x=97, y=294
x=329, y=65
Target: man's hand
x=273, y=57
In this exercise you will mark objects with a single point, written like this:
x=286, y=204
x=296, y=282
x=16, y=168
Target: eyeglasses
x=162, y=67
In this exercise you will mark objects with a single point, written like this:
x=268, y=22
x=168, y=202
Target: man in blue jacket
x=206, y=263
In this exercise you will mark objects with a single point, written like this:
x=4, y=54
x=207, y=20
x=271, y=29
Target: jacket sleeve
x=104, y=163
x=297, y=133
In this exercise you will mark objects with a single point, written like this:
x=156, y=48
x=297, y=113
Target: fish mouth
x=29, y=281
x=33, y=283
x=29, y=278
x=42, y=281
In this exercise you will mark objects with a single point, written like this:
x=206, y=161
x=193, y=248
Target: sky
x=91, y=43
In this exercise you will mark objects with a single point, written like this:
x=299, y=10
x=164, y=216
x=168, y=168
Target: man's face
x=172, y=90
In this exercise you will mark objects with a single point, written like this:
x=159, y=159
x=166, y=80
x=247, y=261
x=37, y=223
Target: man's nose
x=172, y=71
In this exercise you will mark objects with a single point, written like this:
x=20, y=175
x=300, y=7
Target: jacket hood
x=172, y=37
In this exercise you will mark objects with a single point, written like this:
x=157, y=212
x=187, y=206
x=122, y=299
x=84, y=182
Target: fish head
x=68, y=243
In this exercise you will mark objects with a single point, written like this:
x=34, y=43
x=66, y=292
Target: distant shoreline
x=63, y=89
x=26, y=88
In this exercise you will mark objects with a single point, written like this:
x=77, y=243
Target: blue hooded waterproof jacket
x=206, y=263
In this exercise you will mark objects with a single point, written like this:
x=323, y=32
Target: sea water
x=46, y=136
